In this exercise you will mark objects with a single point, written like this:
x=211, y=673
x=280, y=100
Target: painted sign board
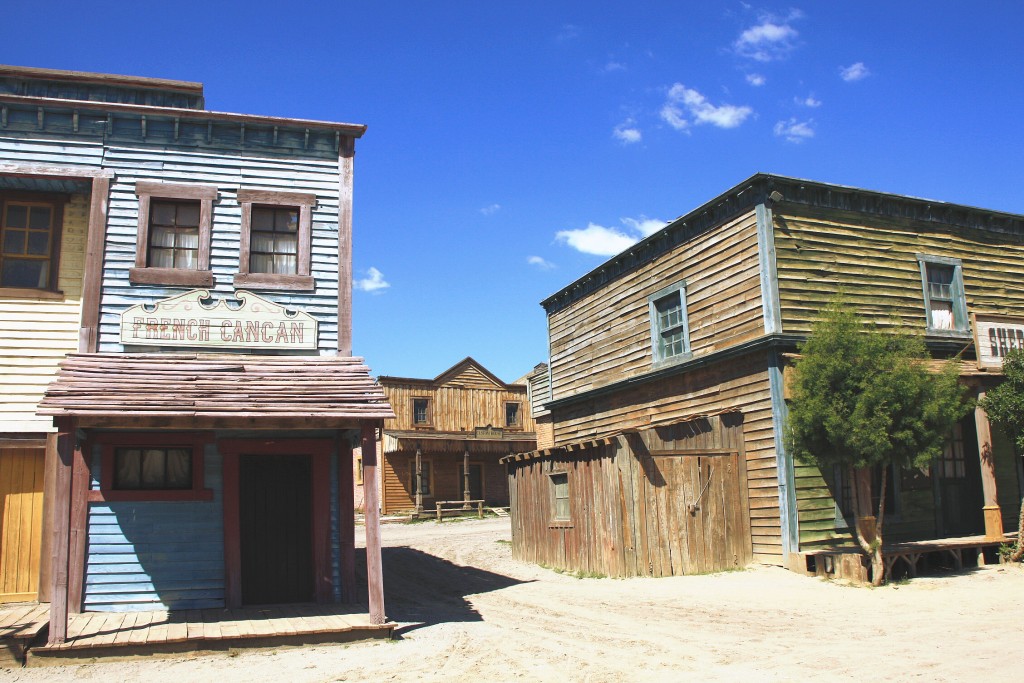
x=994, y=336
x=187, y=320
x=489, y=432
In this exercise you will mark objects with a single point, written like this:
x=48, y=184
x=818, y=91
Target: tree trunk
x=869, y=533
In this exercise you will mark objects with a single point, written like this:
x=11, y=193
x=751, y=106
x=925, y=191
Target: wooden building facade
x=700, y=320
x=448, y=435
x=202, y=429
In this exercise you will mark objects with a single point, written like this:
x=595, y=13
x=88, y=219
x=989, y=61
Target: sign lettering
x=994, y=337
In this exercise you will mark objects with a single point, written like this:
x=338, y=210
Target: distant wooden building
x=667, y=392
x=447, y=436
x=199, y=437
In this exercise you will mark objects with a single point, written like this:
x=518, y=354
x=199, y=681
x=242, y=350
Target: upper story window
x=29, y=243
x=944, y=301
x=421, y=413
x=513, y=414
x=173, y=243
x=670, y=336
x=275, y=242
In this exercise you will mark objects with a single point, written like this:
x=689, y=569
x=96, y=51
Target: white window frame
x=657, y=331
x=961, y=323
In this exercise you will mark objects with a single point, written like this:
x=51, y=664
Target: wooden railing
x=450, y=506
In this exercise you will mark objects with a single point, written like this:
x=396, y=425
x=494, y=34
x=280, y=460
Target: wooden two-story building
x=447, y=436
x=666, y=386
x=197, y=267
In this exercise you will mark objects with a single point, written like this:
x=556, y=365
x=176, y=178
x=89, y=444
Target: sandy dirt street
x=469, y=612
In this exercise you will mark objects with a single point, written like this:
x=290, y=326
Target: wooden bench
x=450, y=506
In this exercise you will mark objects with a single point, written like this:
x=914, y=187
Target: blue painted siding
x=156, y=555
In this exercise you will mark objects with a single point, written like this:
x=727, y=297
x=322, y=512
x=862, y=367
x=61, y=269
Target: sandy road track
x=468, y=611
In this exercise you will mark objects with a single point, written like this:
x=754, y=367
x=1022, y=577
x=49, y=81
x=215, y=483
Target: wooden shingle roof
x=197, y=391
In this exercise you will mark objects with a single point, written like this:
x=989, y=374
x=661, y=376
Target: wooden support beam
x=346, y=161
x=371, y=505
x=61, y=538
x=346, y=519
x=993, y=513
x=92, y=278
x=78, y=527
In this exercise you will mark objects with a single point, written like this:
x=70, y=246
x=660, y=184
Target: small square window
x=943, y=287
x=421, y=413
x=161, y=469
x=29, y=244
x=560, y=496
x=275, y=244
x=137, y=466
x=513, y=414
x=670, y=336
x=174, y=233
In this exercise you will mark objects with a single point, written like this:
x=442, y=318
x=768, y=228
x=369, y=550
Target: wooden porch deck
x=911, y=557
x=128, y=634
x=19, y=626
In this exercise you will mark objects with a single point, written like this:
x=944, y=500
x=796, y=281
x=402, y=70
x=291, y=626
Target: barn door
x=704, y=529
x=21, y=522
x=275, y=520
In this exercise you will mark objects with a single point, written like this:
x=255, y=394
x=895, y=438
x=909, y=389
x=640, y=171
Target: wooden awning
x=210, y=391
x=457, y=442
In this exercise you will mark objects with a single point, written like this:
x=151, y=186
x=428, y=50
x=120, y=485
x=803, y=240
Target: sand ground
x=468, y=612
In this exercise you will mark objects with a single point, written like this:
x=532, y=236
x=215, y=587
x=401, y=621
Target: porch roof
x=214, y=391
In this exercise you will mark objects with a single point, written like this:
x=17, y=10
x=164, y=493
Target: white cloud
x=795, y=131
x=374, y=282
x=702, y=111
x=614, y=66
x=490, y=210
x=540, y=262
x=603, y=241
x=809, y=101
x=756, y=80
x=568, y=32
x=627, y=132
x=771, y=40
x=854, y=72
x=596, y=239
x=644, y=225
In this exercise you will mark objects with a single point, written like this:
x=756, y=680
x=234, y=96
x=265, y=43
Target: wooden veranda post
x=992, y=511
x=371, y=505
x=346, y=519
x=61, y=541
x=465, y=478
x=419, y=480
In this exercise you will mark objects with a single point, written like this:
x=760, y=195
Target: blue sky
x=512, y=147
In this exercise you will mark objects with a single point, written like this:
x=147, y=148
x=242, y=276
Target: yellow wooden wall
x=461, y=403
x=874, y=260
x=35, y=334
x=21, y=522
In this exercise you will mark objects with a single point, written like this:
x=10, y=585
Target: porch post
x=993, y=514
x=465, y=478
x=419, y=480
x=78, y=526
x=374, y=571
x=61, y=539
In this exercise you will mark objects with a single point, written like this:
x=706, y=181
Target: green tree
x=1005, y=407
x=863, y=398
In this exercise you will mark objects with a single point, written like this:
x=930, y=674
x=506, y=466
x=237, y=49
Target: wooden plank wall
x=156, y=555
x=875, y=263
x=629, y=506
x=606, y=337
x=460, y=404
x=227, y=170
x=21, y=522
x=739, y=384
x=35, y=334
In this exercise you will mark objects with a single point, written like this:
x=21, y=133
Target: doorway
x=275, y=525
x=958, y=484
x=476, y=481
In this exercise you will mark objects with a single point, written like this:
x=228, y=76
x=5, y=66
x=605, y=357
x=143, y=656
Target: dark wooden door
x=275, y=519
x=959, y=484
x=476, y=481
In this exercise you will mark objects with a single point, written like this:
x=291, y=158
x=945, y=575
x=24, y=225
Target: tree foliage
x=862, y=397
